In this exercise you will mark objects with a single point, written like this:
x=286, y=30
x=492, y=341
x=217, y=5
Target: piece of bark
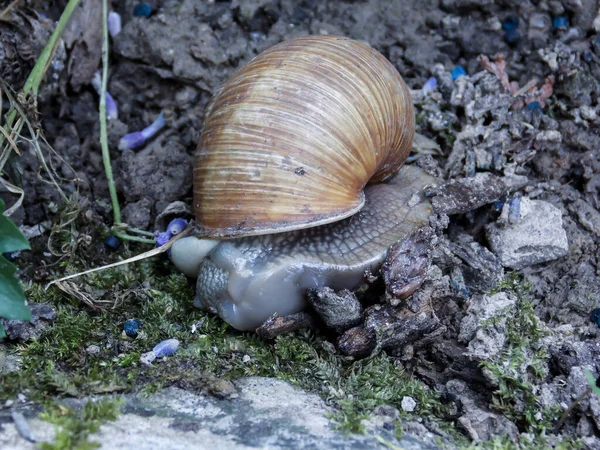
x=277, y=325
x=339, y=310
x=406, y=265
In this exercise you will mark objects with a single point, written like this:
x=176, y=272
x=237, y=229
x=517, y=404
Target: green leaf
x=12, y=299
x=592, y=380
x=11, y=238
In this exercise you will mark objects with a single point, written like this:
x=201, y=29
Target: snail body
x=288, y=145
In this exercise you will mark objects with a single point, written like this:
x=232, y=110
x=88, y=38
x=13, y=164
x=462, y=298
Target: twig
x=103, y=133
x=570, y=409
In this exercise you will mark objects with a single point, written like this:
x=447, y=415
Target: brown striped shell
x=292, y=138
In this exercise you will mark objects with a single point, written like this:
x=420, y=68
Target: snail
x=289, y=143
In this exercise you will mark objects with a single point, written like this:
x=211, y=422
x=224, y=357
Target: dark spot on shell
x=300, y=171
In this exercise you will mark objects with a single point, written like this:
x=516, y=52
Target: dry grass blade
x=15, y=190
x=8, y=9
x=148, y=254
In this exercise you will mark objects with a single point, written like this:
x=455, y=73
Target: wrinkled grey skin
x=246, y=280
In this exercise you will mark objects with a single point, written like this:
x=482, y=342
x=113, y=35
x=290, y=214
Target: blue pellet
x=142, y=10
x=510, y=23
x=560, y=23
x=514, y=210
x=131, y=327
x=595, y=316
x=458, y=72
x=587, y=56
x=166, y=348
x=498, y=205
x=112, y=242
x=534, y=106
x=512, y=37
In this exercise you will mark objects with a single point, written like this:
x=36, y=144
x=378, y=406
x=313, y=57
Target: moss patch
x=74, y=426
x=86, y=352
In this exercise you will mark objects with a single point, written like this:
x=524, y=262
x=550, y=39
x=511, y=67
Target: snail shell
x=292, y=138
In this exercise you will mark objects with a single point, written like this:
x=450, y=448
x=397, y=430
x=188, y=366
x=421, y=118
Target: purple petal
x=429, y=85
x=176, y=226
x=132, y=140
x=166, y=348
x=112, y=112
x=114, y=23
x=163, y=238
x=154, y=127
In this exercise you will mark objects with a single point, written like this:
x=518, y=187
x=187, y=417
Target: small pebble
x=142, y=10
x=166, y=348
x=514, y=210
x=510, y=23
x=92, y=349
x=512, y=37
x=131, y=327
x=246, y=359
x=147, y=358
x=112, y=242
x=457, y=72
x=560, y=23
x=595, y=316
x=429, y=85
x=408, y=404
x=21, y=397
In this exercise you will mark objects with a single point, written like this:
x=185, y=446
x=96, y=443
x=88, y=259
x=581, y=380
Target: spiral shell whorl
x=291, y=139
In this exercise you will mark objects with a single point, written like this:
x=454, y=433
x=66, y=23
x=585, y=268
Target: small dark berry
x=112, y=242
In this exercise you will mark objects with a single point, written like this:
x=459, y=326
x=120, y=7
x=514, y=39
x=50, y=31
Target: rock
x=340, y=310
x=484, y=326
x=538, y=236
x=482, y=425
x=482, y=309
x=408, y=404
x=268, y=413
x=138, y=214
x=42, y=315
x=465, y=194
x=588, y=216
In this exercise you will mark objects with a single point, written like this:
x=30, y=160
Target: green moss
x=74, y=426
x=539, y=443
x=58, y=364
x=522, y=364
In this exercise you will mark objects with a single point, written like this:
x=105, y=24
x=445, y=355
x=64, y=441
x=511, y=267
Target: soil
x=176, y=59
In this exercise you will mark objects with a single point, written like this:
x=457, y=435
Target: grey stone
x=588, y=216
x=268, y=414
x=482, y=309
x=408, y=404
x=42, y=315
x=537, y=237
x=482, y=425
